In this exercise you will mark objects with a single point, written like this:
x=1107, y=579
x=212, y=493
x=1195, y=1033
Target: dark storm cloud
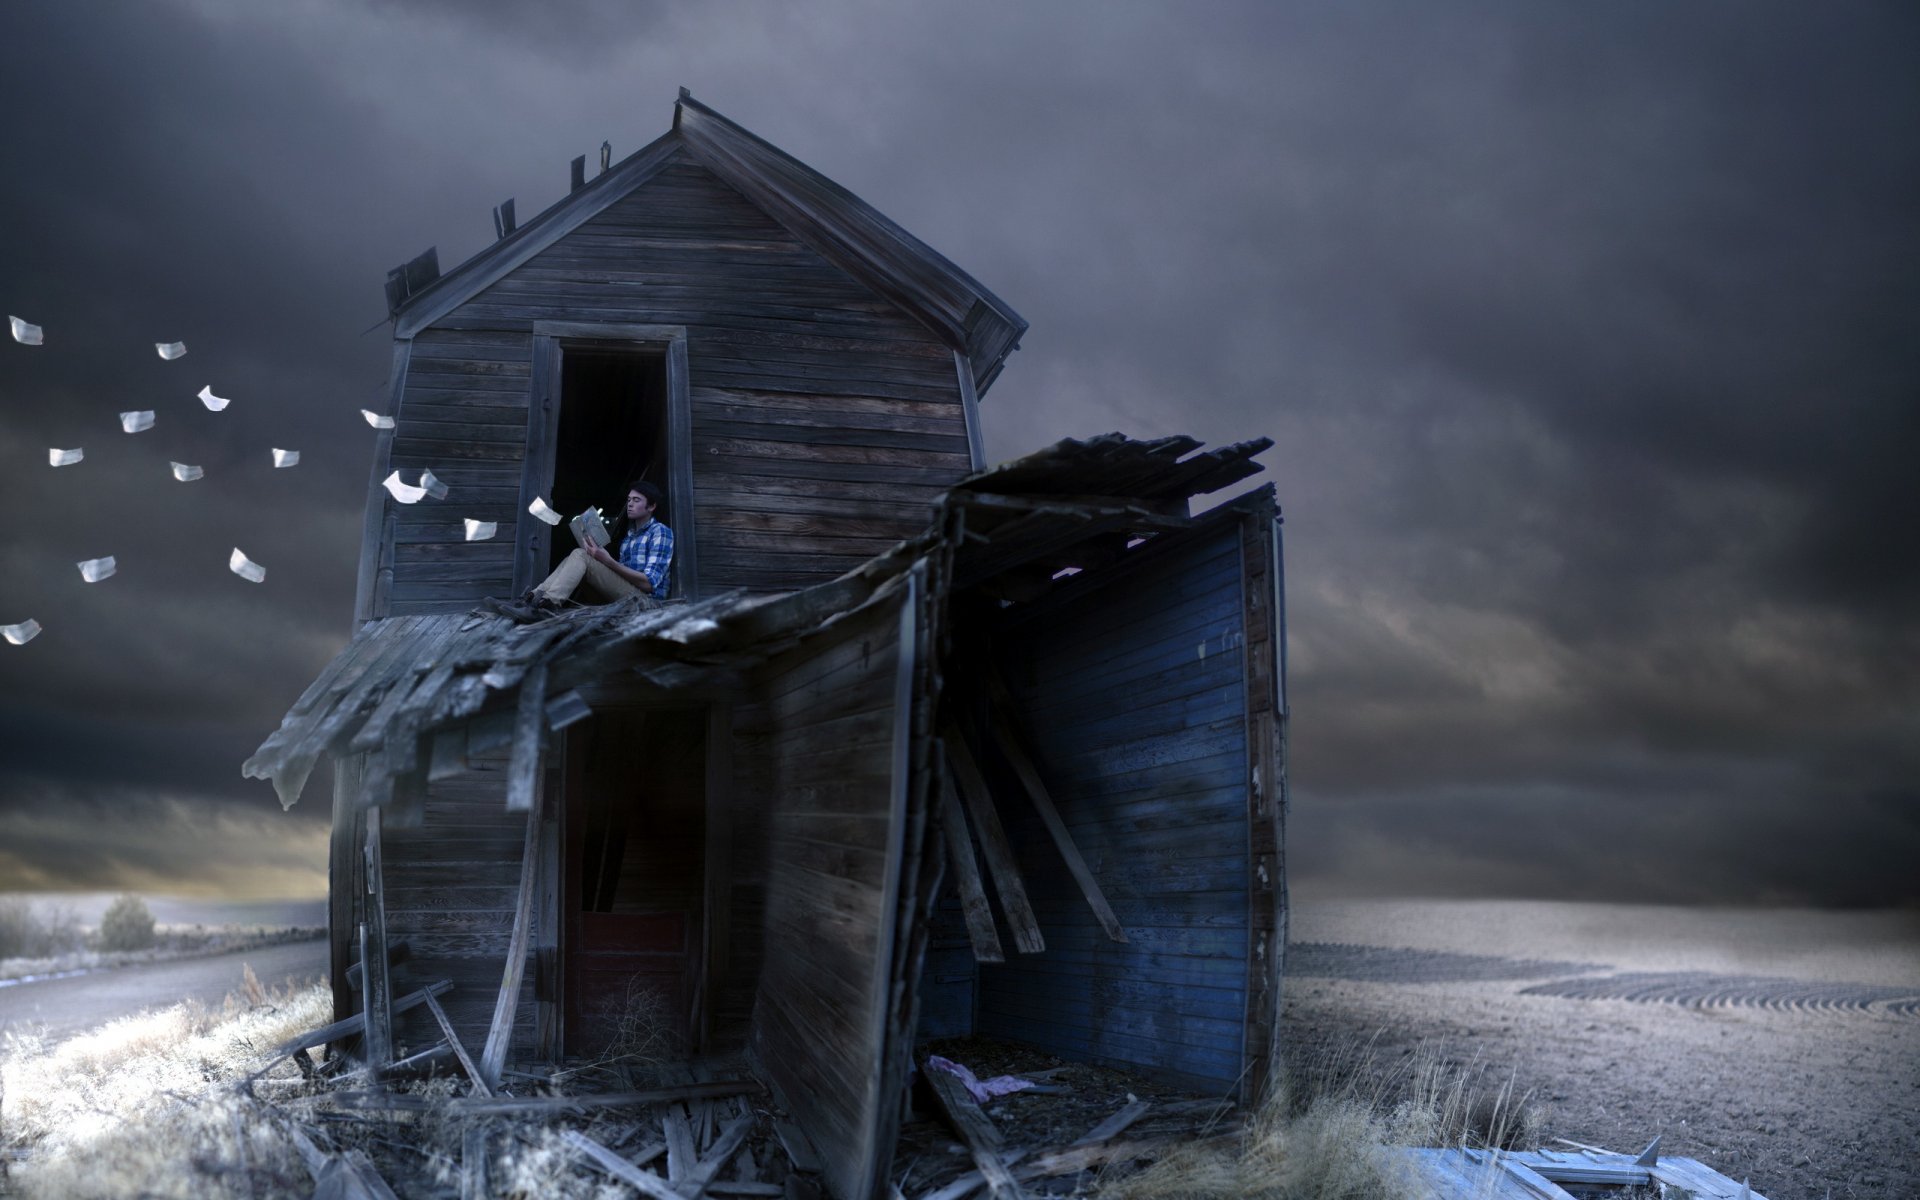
x=1584, y=334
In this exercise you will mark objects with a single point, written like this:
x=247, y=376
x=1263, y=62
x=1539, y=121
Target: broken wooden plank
x=739, y=1187
x=436, y=1051
x=648, y=1183
x=993, y=843
x=680, y=1152
x=500, y=1033
x=977, y=1130
x=704, y=1172
x=966, y=878
x=529, y=740
x=353, y=1024
x=1114, y=1125
x=460, y=1051
x=1014, y=750
x=351, y=1176
x=1027, y=1166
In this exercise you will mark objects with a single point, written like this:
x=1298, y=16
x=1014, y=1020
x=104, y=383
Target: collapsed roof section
x=419, y=694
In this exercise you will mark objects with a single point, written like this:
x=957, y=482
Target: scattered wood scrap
x=977, y=1130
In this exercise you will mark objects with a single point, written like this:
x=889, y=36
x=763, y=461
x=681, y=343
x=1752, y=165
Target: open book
x=589, y=525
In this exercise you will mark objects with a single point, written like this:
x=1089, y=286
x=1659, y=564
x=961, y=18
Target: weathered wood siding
x=1133, y=697
x=834, y=837
x=825, y=420
x=451, y=883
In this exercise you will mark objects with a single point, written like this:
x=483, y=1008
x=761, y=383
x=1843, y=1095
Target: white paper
x=404, y=493
x=170, y=350
x=376, y=420
x=214, y=403
x=26, y=335
x=539, y=509
x=134, y=422
x=65, y=458
x=480, y=531
x=185, y=473
x=286, y=458
x=246, y=568
x=95, y=569
x=431, y=486
x=25, y=631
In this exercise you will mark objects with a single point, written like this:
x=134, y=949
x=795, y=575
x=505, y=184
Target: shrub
x=27, y=932
x=127, y=925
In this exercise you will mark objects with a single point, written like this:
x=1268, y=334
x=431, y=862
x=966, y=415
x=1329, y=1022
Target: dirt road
x=65, y=1007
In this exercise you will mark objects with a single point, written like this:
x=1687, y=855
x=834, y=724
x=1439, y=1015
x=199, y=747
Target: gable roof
x=841, y=227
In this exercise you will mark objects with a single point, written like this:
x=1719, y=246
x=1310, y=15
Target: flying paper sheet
x=246, y=568
x=376, y=420
x=286, y=458
x=404, y=493
x=433, y=487
x=65, y=458
x=95, y=569
x=214, y=403
x=134, y=422
x=480, y=531
x=22, y=633
x=26, y=335
x=539, y=509
x=185, y=473
x=170, y=350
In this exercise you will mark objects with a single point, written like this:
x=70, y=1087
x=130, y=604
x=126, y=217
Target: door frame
x=551, y=341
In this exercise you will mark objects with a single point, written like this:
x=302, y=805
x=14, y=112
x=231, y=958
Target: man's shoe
x=519, y=614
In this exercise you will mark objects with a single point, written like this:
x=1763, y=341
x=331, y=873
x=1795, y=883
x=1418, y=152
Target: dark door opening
x=612, y=430
x=635, y=815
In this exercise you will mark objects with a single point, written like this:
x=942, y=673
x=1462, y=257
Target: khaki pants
x=577, y=567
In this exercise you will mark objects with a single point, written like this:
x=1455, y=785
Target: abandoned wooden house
x=763, y=806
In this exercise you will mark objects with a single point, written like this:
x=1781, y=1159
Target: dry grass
x=147, y=1107
x=1335, y=1126
x=136, y=1108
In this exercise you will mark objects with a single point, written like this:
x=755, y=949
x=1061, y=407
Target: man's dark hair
x=655, y=497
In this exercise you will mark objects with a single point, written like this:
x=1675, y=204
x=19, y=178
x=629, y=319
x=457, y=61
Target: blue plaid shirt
x=649, y=550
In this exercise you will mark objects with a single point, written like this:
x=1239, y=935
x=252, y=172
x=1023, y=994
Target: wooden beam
x=459, y=1049
x=977, y=1130
x=993, y=842
x=966, y=877
x=343, y=861
x=500, y=1033
x=353, y=1024
x=999, y=705
x=647, y=1183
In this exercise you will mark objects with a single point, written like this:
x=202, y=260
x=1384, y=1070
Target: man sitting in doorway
x=645, y=554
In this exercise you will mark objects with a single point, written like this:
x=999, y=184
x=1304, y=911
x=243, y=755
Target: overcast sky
x=1586, y=334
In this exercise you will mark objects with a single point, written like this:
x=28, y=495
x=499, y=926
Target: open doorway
x=634, y=824
x=609, y=404
x=612, y=431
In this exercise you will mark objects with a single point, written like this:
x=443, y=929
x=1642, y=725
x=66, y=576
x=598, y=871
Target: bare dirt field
x=1781, y=1046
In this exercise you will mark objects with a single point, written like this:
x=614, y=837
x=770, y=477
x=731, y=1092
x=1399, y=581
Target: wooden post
x=500, y=1034
x=717, y=916
x=373, y=958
